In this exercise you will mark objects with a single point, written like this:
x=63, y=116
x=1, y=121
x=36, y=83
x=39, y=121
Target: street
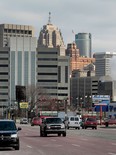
x=77, y=142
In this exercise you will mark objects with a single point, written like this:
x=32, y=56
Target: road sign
x=23, y=105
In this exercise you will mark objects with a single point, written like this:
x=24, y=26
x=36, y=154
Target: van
x=73, y=122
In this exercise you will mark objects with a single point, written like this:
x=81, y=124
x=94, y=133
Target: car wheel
x=78, y=128
x=17, y=147
x=41, y=134
x=67, y=127
x=59, y=134
x=45, y=134
x=85, y=127
x=64, y=134
x=96, y=128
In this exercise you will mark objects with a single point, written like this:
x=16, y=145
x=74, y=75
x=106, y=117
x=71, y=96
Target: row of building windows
x=3, y=93
x=59, y=88
x=3, y=80
x=17, y=31
x=55, y=94
x=47, y=73
x=47, y=59
x=3, y=58
x=47, y=80
x=3, y=65
x=3, y=73
x=3, y=87
x=49, y=52
x=3, y=52
x=48, y=66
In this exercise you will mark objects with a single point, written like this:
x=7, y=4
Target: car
x=110, y=121
x=89, y=122
x=23, y=121
x=36, y=121
x=52, y=125
x=73, y=122
x=9, y=134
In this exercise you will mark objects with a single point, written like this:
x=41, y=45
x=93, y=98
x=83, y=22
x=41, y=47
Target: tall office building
x=4, y=78
x=18, y=53
x=103, y=63
x=83, y=42
x=11, y=30
x=52, y=65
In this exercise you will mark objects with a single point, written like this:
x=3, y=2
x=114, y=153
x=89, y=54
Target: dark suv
x=52, y=125
x=8, y=134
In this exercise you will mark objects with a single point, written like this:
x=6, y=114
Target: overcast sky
x=97, y=17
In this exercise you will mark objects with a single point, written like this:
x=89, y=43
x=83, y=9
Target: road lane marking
x=84, y=139
x=52, y=145
x=29, y=146
x=113, y=143
x=76, y=145
x=53, y=140
x=112, y=153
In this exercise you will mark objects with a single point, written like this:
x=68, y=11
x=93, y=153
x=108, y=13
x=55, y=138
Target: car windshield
x=24, y=119
x=91, y=119
x=53, y=120
x=7, y=126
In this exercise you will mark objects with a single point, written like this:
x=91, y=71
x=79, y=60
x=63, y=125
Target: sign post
x=101, y=105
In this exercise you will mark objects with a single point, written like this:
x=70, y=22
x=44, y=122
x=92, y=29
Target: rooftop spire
x=49, y=20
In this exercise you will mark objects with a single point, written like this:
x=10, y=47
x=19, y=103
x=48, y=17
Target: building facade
x=82, y=89
x=18, y=52
x=83, y=42
x=76, y=60
x=4, y=79
x=103, y=63
x=53, y=67
x=12, y=30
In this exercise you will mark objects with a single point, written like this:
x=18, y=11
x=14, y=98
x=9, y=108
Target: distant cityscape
x=60, y=77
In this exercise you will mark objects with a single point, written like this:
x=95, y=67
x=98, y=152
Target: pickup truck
x=110, y=121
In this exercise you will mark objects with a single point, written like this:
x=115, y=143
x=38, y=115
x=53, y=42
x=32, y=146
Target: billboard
x=23, y=105
x=101, y=100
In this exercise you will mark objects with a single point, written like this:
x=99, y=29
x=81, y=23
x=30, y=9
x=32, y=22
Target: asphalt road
x=77, y=142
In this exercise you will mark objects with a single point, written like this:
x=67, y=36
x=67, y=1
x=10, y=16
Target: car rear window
x=74, y=119
x=7, y=126
x=91, y=119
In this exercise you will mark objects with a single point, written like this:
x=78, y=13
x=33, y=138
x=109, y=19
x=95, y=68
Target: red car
x=36, y=121
x=89, y=123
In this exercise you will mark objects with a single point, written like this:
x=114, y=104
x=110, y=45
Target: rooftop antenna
x=49, y=20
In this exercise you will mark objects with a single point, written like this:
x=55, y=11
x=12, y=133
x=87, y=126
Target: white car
x=24, y=121
x=74, y=122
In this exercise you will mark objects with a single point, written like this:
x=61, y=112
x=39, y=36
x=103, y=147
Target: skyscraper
x=18, y=54
x=52, y=65
x=83, y=42
x=103, y=63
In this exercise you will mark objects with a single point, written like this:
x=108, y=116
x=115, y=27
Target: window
x=66, y=74
x=59, y=74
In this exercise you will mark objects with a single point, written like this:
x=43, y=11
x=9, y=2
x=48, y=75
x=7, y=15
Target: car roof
x=6, y=120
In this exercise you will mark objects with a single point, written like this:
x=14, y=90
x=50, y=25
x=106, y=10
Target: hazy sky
x=97, y=17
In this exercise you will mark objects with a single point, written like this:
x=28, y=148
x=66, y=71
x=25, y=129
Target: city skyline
x=97, y=18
